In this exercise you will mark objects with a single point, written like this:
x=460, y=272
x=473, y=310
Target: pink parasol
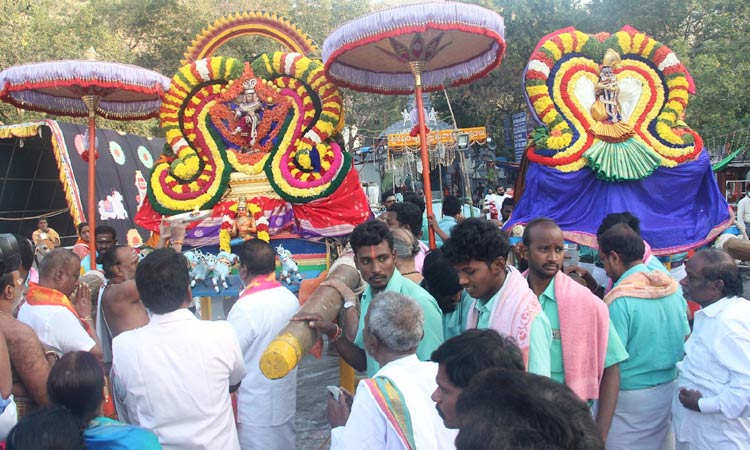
x=85, y=89
x=416, y=48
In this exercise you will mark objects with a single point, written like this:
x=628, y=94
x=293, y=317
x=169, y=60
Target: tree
x=711, y=37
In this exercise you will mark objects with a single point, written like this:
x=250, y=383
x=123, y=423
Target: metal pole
x=91, y=102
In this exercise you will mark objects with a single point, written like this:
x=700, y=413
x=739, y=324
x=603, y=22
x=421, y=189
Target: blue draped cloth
x=680, y=208
x=108, y=434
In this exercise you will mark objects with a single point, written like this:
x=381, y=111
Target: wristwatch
x=348, y=304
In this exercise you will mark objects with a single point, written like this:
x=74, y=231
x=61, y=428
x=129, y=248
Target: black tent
x=42, y=174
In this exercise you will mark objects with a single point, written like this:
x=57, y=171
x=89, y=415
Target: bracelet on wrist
x=175, y=242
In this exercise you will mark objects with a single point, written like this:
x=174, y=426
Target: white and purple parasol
x=414, y=48
x=85, y=89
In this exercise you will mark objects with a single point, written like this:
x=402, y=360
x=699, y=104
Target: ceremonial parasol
x=85, y=89
x=416, y=48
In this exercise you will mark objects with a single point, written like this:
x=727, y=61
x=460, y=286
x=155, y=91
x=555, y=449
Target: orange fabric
x=42, y=296
x=648, y=285
x=152, y=240
x=108, y=407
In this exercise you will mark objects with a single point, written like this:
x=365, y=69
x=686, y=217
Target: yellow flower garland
x=665, y=99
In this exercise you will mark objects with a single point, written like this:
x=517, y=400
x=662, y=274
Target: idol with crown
x=611, y=137
x=252, y=143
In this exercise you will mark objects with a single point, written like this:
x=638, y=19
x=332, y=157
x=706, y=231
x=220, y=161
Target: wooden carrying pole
x=91, y=102
x=287, y=349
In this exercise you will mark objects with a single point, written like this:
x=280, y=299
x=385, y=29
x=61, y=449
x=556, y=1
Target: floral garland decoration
x=305, y=166
x=326, y=120
x=193, y=171
x=261, y=223
x=562, y=58
x=170, y=194
x=305, y=187
x=305, y=110
x=225, y=232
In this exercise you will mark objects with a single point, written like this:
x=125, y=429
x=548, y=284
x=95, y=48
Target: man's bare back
x=30, y=367
x=122, y=308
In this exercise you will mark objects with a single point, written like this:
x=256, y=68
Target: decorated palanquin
x=259, y=133
x=612, y=138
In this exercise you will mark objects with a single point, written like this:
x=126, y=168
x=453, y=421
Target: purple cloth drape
x=680, y=208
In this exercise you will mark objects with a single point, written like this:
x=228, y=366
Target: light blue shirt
x=445, y=224
x=85, y=264
x=653, y=331
x=454, y=323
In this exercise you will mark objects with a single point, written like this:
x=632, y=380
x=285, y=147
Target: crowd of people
x=477, y=344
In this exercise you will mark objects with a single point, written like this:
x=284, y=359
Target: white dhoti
x=280, y=437
x=8, y=418
x=642, y=419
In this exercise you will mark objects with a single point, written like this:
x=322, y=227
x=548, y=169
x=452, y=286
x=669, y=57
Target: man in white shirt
x=711, y=409
x=490, y=199
x=61, y=319
x=174, y=375
x=392, y=410
x=266, y=407
x=743, y=213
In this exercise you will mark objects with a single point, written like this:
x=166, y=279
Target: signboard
x=447, y=137
x=520, y=135
x=507, y=132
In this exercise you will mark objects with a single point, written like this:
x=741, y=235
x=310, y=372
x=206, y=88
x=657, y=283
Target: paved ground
x=313, y=376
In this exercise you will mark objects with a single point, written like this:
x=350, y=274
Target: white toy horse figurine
x=210, y=262
x=224, y=263
x=289, y=267
x=194, y=258
x=198, y=267
x=40, y=251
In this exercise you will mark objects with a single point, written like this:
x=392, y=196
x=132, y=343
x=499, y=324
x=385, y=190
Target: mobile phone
x=335, y=391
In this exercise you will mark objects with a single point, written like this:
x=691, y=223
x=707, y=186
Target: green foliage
x=712, y=38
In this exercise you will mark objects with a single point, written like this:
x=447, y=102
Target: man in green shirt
x=650, y=316
x=375, y=258
x=441, y=281
x=580, y=323
x=503, y=301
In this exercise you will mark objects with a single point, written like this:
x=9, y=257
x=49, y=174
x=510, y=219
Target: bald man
x=59, y=307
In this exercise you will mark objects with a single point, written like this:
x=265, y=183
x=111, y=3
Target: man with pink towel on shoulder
x=502, y=300
x=586, y=350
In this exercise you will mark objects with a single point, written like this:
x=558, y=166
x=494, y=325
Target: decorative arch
x=255, y=23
